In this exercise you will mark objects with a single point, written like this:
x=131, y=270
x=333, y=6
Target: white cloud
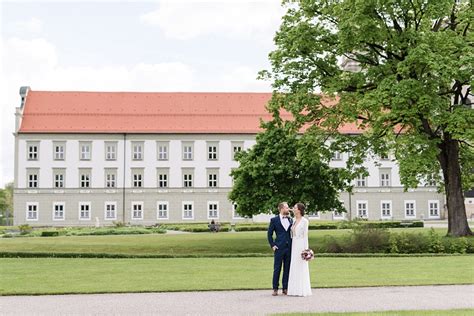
x=190, y=19
x=32, y=25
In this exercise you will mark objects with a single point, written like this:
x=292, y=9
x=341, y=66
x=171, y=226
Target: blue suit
x=282, y=255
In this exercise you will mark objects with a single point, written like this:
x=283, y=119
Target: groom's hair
x=281, y=205
x=301, y=207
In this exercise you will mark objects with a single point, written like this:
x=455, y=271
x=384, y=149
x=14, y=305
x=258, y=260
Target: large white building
x=147, y=158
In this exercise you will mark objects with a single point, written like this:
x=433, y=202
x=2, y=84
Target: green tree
x=6, y=200
x=284, y=167
x=408, y=90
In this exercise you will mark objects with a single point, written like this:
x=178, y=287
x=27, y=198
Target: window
x=386, y=209
x=84, y=178
x=385, y=178
x=338, y=215
x=110, y=150
x=212, y=177
x=187, y=178
x=212, y=151
x=110, y=178
x=314, y=214
x=59, y=150
x=362, y=209
x=32, y=151
x=85, y=150
x=162, y=210
x=361, y=181
x=137, y=178
x=383, y=156
x=84, y=210
x=58, y=211
x=162, y=150
x=236, y=147
x=162, y=176
x=188, y=210
x=32, y=178
x=336, y=155
x=187, y=151
x=32, y=211
x=235, y=215
x=433, y=208
x=110, y=210
x=137, y=210
x=410, y=208
x=58, y=178
x=212, y=210
x=137, y=150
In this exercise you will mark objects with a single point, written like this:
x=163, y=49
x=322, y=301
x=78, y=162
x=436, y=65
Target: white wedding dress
x=299, y=282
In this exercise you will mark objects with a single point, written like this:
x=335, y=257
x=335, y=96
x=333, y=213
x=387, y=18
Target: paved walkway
x=244, y=302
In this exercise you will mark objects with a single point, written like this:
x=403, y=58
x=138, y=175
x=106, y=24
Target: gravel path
x=243, y=302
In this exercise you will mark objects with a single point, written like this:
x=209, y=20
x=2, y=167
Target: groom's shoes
x=275, y=293
x=285, y=292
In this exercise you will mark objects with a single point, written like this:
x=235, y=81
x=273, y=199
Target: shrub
x=49, y=233
x=435, y=245
x=408, y=243
x=458, y=245
x=368, y=239
x=118, y=224
x=25, y=229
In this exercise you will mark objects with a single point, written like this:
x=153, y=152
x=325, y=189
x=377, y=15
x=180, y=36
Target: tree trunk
x=449, y=160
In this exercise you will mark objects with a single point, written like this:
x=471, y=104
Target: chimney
x=19, y=110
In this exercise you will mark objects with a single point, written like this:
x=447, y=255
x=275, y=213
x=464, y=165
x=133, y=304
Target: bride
x=299, y=283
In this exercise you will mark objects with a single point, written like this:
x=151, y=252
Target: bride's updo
x=301, y=207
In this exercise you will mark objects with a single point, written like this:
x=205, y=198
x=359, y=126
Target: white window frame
x=85, y=154
x=389, y=202
x=405, y=208
x=36, y=205
x=438, y=207
x=183, y=203
x=110, y=151
x=235, y=215
x=209, y=203
x=366, y=208
x=106, y=203
x=188, y=149
x=361, y=182
x=54, y=211
x=56, y=173
x=336, y=156
x=236, y=147
x=316, y=215
x=138, y=149
x=29, y=173
x=191, y=179
x=212, y=151
x=162, y=172
x=138, y=178
x=110, y=182
x=162, y=203
x=89, y=204
x=162, y=151
x=85, y=172
x=214, y=182
x=61, y=154
x=32, y=155
x=132, y=210
x=385, y=182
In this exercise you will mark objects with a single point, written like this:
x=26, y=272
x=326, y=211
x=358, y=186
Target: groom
x=281, y=246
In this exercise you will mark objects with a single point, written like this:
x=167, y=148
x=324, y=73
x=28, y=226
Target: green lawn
x=57, y=275
x=456, y=312
x=201, y=244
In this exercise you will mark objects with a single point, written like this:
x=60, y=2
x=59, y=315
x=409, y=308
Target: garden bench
x=406, y=223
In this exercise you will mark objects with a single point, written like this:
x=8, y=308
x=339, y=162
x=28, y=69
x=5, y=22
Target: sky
x=213, y=45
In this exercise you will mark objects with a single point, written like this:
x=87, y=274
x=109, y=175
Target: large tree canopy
x=408, y=87
x=284, y=167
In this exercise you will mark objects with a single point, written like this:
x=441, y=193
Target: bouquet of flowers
x=307, y=254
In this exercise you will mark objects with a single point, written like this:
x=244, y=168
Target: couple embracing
x=289, y=246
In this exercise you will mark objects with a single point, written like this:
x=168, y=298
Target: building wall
x=200, y=194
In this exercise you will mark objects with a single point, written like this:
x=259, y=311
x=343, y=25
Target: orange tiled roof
x=145, y=112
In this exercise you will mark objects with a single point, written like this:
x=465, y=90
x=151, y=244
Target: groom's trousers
x=282, y=257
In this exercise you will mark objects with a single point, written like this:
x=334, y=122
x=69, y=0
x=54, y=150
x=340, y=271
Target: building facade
x=87, y=158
